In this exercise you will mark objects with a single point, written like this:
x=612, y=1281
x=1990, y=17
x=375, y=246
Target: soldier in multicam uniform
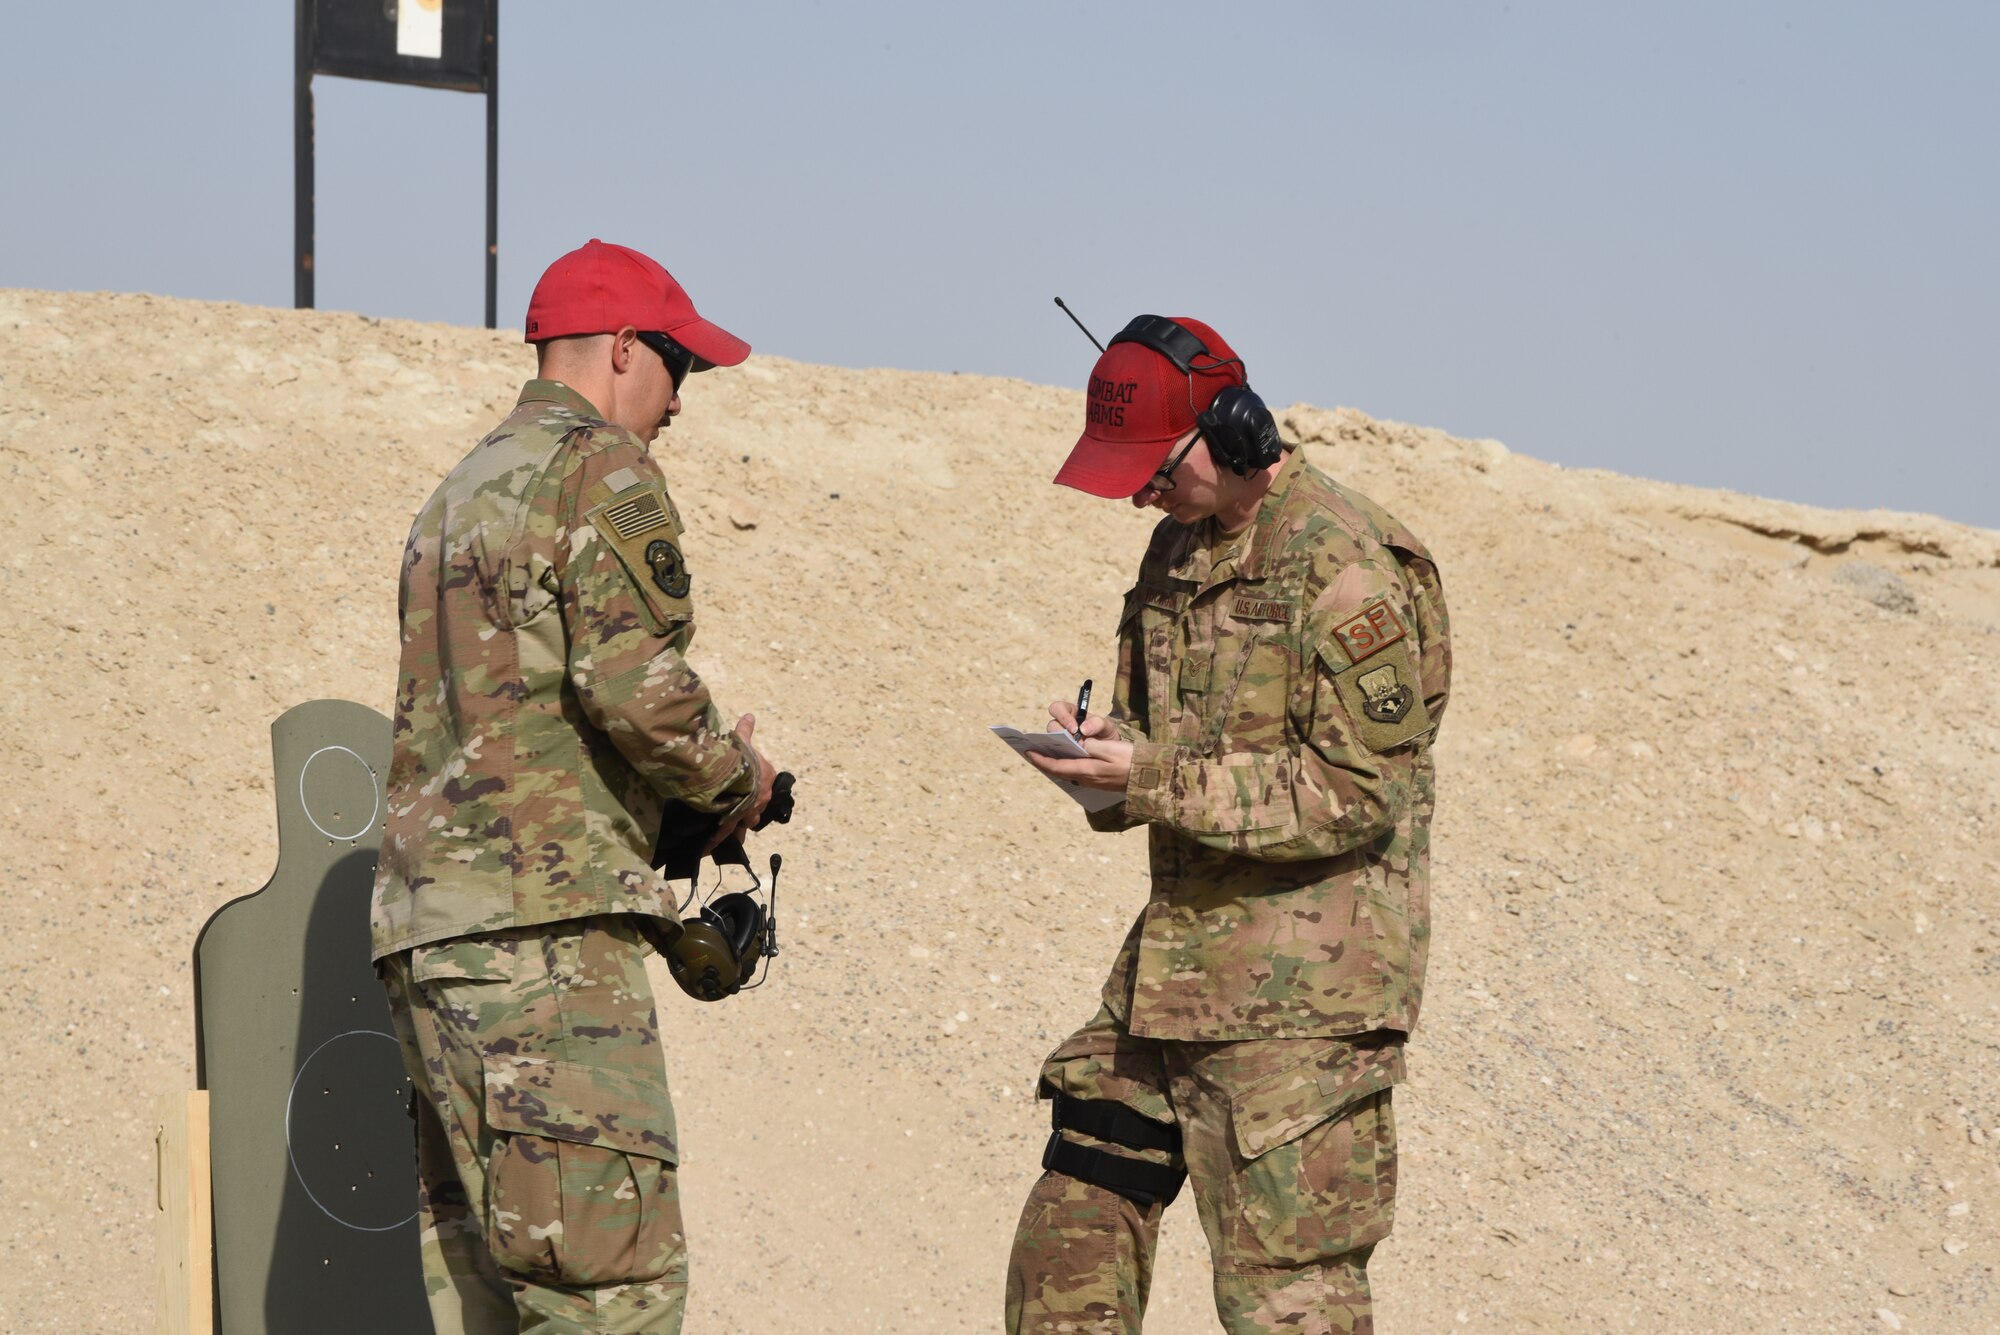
x=1283, y=662
x=545, y=712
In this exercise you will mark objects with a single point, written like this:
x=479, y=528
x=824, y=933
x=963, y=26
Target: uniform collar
x=1264, y=528
x=556, y=392
x=1210, y=559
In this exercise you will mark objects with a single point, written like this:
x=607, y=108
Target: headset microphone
x=716, y=953
x=1079, y=324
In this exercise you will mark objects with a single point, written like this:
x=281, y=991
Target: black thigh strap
x=1114, y=1122
x=1137, y=1181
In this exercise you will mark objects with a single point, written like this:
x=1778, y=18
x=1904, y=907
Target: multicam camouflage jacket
x=1281, y=687
x=546, y=707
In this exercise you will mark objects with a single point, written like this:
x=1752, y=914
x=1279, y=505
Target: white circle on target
x=291, y=1097
x=374, y=789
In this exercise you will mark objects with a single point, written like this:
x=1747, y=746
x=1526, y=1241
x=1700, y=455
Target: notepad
x=1063, y=746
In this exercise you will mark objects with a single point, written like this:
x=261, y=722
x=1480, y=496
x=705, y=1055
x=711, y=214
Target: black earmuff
x=741, y=919
x=715, y=953
x=718, y=950
x=1239, y=429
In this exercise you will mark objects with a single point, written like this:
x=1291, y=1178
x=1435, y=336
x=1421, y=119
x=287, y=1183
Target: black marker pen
x=1082, y=709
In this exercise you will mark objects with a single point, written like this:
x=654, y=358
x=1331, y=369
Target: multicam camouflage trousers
x=545, y=1137
x=1290, y=1146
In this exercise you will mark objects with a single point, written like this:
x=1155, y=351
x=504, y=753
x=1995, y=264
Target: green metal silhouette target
x=314, y=1165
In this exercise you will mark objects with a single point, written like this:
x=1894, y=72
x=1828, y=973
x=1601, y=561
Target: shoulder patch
x=669, y=568
x=635, y=512
x=641, y=528
x=1370, y=631
x=1383, y=698
x=621, y=479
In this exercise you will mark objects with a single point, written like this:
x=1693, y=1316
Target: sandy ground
x=1709, y=1041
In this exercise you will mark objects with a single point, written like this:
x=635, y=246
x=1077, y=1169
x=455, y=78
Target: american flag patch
x=642, y=514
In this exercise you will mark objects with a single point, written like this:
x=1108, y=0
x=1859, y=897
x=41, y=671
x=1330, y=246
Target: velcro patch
x=1385, y=696
x=640, y=526
x=1384, y=699
x=637, y=514
x=1247, y=608
x=1370, y=631
x=669, y=568
x=1194, y=673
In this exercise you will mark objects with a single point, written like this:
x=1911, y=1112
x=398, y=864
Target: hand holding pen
x=1071, y=719
x=1110, y=761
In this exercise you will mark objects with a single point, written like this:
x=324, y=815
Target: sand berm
x=1709, y=1040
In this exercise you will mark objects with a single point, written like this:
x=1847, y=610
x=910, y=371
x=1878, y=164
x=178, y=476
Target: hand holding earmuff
x=714, y=954
x=766, y=776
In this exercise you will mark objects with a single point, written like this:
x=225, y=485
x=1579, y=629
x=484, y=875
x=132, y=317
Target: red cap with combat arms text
x=1137, y=405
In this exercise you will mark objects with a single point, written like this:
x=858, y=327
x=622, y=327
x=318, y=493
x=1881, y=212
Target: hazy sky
x=1735, y=245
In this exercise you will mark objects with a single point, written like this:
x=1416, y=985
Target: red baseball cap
x=600, y=288
x=1137, y=405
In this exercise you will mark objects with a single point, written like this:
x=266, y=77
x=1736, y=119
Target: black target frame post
x=492, y=161
x=302, y=156
x=358, y=39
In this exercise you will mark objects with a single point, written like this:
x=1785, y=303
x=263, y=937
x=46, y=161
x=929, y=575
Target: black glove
x=683, y=832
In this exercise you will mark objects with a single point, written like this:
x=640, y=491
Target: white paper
x=420, y=28
x=1062, y=746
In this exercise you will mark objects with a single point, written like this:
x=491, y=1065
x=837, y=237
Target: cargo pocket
x=1317, y=1146
x=581, y=1189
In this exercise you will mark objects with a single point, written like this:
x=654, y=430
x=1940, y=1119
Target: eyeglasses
x=678, y=359
x=1163, y=479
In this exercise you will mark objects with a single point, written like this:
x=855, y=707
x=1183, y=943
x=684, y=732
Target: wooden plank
x=184, y=1295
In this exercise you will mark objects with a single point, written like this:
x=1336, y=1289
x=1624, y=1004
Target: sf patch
x=1370, y=631
x=669, y=570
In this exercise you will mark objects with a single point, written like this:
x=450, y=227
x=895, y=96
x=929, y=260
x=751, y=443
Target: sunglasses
x=1163, y=479
x=678, y=359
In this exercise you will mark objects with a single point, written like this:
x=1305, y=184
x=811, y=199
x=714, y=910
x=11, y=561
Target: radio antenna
x=1079, y=324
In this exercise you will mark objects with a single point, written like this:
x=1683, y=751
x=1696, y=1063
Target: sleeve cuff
x=739, y=789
